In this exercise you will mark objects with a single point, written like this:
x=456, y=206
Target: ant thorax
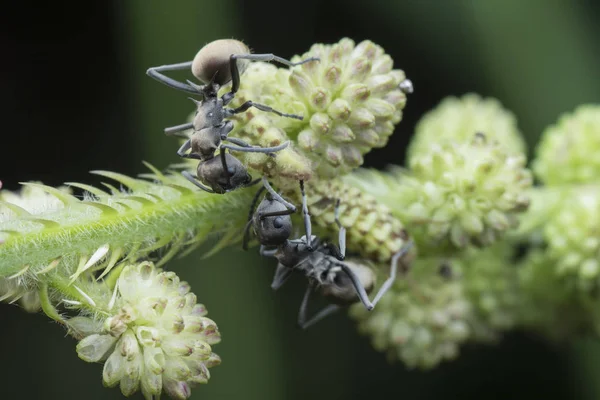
x=210, y=113
x=205, y=142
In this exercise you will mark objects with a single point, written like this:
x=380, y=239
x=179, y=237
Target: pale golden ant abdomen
x=213, y=60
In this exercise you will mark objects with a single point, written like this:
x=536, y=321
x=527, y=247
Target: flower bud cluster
x=350, y=101
x=568, y=150
x=455, y=120
x=424, y=317
x=468, y=193
x=156, y=339
x=491, y=284
x=371, y=229
x=572, y=235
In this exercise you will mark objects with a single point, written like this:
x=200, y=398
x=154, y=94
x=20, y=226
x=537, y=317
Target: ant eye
x=277, y=223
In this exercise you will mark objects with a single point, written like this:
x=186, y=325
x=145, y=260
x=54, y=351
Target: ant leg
x=306, y=216
x=276, y=196
x=236, y=141
x=282, y=274
x=360, y=289
x=325, y=312
x=261, y=107
x=191, y=178
x=256, y=149
x=182, y=152
x=249, y=220
x=155, y=72
x=252, y=183
x=342, y=230
x=393, y=271
x=235, y=73
x=174, y=130
x=184, y=147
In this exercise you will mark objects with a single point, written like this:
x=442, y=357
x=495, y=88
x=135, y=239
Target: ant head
x=338, y=287
x=272, y=230
x=211, y=64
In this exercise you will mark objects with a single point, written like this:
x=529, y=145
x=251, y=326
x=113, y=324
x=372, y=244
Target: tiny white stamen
x=50, y=267
x=113, y=299
x=87, y=298
x=18, y=274
x=71, y=302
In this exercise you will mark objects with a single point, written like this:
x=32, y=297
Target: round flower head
x=548, y=306
x=467, y=193
x=568, y=150
x=350, y=101
x=573, y=239
x=455, y=120
x=156, y=338
x=491, y=284
x=423, y=319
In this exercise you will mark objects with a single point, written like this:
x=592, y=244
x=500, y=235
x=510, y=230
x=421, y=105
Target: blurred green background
x=75, y=97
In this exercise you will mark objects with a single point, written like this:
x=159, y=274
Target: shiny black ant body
x=323, y=264
x=216, y=64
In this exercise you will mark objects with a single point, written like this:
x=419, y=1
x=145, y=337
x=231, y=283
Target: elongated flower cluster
x=371, y=229
x=31, y=201
x=156, y=338
x=80, y=237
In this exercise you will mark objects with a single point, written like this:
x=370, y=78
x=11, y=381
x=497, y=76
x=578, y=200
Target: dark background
x=74, y=97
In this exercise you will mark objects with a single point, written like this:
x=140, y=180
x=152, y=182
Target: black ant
x=342, y=282
x=216, y=64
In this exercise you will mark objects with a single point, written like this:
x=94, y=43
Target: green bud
x=567, y=152
x=456, y=120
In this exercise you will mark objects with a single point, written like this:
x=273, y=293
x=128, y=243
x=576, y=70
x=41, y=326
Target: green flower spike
x=350, y=102
x=455, y=120
x=573, y=239
x=423, y=319
x=31, y=200
x=152, y=335
x=96, y=233
x=468, y=193
x=568, y=150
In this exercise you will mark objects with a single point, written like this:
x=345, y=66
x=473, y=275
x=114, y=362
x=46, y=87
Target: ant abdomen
x=212, y=62
x=212, y=173
x=341, y=291
x=206, y=142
